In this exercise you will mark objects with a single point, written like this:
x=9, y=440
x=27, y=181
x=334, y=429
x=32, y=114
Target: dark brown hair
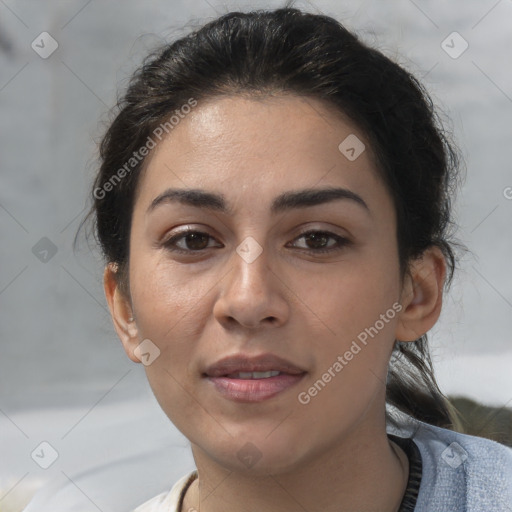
x=290, y=51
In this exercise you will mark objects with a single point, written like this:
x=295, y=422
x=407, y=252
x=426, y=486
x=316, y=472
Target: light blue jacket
x=461, y=473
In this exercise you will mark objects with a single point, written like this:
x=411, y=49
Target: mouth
x=249, y=379
x=254, y=375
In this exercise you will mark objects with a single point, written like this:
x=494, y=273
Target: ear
x=121, y=312
x=422, y=295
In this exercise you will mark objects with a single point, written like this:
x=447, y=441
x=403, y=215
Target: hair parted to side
x=292, y=52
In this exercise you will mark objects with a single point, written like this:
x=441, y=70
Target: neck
x=364, y=472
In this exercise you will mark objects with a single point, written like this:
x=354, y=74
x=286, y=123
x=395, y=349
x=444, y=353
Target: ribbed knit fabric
x=408, y=503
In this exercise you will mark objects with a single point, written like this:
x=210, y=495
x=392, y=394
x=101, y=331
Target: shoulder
x=169, y=501
x=461, y=471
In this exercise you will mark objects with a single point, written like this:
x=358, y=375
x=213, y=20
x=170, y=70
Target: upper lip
x=246, y=363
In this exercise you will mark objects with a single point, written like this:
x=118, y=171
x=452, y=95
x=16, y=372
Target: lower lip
x=254, y=390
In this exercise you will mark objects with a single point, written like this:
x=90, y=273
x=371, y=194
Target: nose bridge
x=250, y=294
x=250, y=266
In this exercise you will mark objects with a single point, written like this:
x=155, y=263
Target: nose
x=252, y=294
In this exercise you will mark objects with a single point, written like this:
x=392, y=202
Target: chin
x=257, y=455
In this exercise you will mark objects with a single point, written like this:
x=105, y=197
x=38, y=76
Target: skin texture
x=332, y=453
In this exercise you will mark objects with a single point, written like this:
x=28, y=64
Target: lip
x=246, y=363
x=252, y=390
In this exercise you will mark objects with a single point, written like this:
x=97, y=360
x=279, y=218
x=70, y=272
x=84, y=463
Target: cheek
x=170, y=312
x=351, y=357
x=350, y=298
x=164, y=295
x=357, y=308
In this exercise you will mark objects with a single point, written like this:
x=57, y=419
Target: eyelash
x=341, y=242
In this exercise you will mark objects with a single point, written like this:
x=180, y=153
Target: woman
x=273, y=205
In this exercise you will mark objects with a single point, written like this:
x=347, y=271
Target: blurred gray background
x=62, y=368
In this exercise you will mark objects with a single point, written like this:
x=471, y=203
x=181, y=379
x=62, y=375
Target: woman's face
x=251, y=283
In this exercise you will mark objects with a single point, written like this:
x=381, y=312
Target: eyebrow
x=284, y=202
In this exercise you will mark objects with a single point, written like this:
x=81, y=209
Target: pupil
x=317, y=238
x=194, y=241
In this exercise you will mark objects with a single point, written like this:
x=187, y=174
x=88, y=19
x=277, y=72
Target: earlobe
x=422, y=295
x=121, y=313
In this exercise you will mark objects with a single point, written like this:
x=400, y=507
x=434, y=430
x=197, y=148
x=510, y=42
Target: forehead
x=248, y=147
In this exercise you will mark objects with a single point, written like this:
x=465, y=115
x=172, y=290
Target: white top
x=169, y=501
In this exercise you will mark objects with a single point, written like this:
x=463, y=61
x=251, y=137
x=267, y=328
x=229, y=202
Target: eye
x=319, y=241
x=191, y=241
